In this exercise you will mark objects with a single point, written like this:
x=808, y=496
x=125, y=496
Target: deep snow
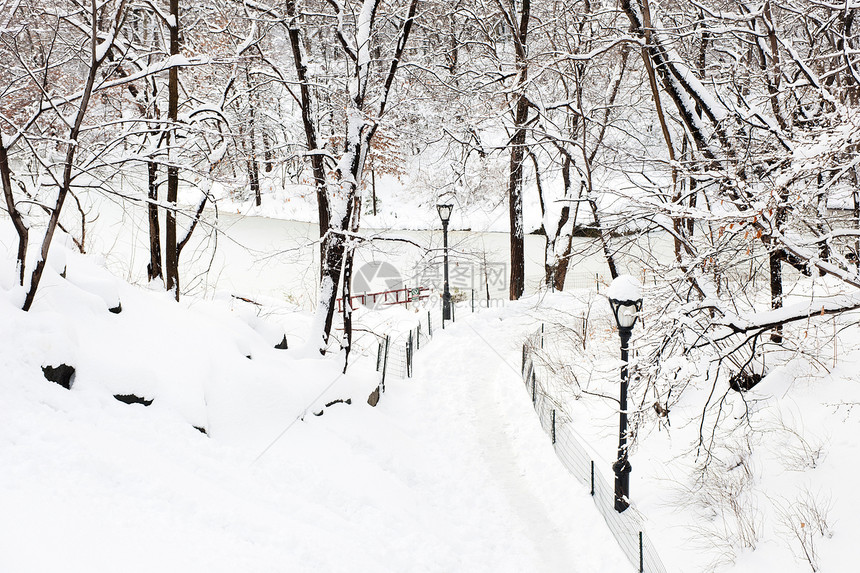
x=451, y=472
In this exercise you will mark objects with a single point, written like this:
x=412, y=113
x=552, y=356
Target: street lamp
x=445, y=215
x=625, y=298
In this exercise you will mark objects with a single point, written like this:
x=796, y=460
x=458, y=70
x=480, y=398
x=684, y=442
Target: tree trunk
x=775, y=257
x=604, y=240
x=515, y=183
x=346, y=294
x=153, y=269
x=310, y=129
x=349, y=258
x=775, y=260
x=560, y=241
x=253, y=166
x=334, y=247
x=14, y=214
x=171, y=253
x=515, y=199
x=348, y=171
x=855, y=194
x=268, y=154
x=150, y=109
x=373, y=187
x=567, y=226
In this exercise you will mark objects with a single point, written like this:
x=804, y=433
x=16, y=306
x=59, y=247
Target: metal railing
x=403, y=295
x=626, y=527
x=395, y=353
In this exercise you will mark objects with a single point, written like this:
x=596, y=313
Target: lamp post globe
x=445, y=212
x=445, y=215
x=625, y=298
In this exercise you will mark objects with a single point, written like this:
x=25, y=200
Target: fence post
x=409, y=356
x=523, y=369
x=429, y=325
x=418, y=335
x=541, y=336
x=473, y=300
x=592, y=478
x=553, y=426
x=534, y=388
x=384, y=364
x=641, y=555
x=379, y=357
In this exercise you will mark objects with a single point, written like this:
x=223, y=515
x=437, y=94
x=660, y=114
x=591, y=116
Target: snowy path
x=479, y=375
x=468, y=392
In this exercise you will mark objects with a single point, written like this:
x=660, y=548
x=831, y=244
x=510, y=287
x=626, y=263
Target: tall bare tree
x=367, y=81
x=54, y=55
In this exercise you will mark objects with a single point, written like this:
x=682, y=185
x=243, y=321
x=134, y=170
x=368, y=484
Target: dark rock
x=117, y=309
x=202, y=430
x=132, y=399
x=741, y=382
x=282, y=345
x=373, y=399
x=248, y=356
x=61, y=374
x=332, y=403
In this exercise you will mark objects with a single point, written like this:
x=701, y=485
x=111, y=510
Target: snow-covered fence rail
x=404, y=295
x=394, y=356
x=627, y=527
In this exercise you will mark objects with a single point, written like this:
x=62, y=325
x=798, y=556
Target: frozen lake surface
x=279, y=258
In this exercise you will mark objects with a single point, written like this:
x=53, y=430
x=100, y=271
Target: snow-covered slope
x=450, y=472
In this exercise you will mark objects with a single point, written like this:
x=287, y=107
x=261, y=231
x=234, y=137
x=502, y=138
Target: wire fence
x=395, y=353
x=626, y=527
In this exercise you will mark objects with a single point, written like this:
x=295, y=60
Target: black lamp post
x=626, y=301
x=445, y=215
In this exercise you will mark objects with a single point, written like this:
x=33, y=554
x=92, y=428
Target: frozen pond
x=279, y=258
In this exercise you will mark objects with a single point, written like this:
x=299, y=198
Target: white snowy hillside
x=450, y=472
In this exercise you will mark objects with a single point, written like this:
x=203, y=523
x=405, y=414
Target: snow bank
x=441, y=476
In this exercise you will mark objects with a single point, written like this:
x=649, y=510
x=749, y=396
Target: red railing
x=399, y=296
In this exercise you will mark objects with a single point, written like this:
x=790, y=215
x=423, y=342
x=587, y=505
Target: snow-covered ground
x=450, y=472
x=769, y=487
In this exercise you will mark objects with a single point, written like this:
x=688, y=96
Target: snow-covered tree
x=56, y=61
